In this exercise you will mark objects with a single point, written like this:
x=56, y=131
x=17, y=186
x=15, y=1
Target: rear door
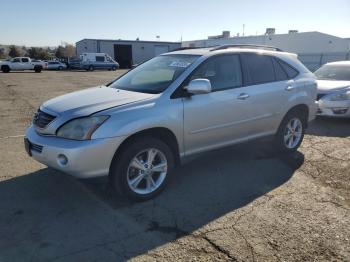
x=267, y=87
x=26, y=63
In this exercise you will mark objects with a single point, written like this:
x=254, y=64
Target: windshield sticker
x=179, y=64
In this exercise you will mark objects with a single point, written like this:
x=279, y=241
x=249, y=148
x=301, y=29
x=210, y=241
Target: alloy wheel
x=147, y=171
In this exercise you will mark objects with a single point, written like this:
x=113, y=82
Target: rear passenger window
x=291, y=72
x=25, y=60
x=258, y=68
x=224, y=72
x=279, y=72
x=100, y=58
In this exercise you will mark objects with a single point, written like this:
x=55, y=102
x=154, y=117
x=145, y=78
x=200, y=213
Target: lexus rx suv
x=139, y=127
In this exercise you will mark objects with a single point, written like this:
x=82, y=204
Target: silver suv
x=138, y=128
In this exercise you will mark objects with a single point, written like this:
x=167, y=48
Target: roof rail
x=265, y=47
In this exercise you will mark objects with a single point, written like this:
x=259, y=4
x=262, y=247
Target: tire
x=290, y=133
x=91, y=68
x=114, y=68
x=122, y=172
x=5, y=69
x=38, y=69
x=60, y=68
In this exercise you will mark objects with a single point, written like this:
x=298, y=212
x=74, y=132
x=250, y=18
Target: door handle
x=289, y=88
x=243, y=96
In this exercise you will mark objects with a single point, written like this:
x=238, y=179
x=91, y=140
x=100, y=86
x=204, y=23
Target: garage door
x=160, y=49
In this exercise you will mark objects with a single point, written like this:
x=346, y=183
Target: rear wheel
x=5, y=69
x=37, y=69
x=91, y=68
x=290, y=133
x=114, y=68
x=142, y=169
x=60, y=68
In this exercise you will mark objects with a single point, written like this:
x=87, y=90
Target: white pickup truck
x=20, y=64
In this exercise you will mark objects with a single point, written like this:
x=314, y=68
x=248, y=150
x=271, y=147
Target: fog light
x=62, y=160
x=340, y=110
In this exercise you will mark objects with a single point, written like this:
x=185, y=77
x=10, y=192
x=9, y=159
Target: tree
x=59, y=52
x=69, y=50
x=2, y=53
x=38, y=53
x=65, y=51
x=14, y=51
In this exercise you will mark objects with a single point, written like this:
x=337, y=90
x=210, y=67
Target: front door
x=218, y=118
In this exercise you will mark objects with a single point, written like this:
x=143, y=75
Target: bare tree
x=15, y=51
x=69, y=50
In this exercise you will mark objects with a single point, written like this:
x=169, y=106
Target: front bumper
x=329, y=108
x=85, y=159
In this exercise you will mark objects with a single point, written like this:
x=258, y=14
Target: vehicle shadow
x=47, y=215
x=330, y=127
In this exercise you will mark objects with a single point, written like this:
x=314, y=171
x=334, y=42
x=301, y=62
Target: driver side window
x=224, y=72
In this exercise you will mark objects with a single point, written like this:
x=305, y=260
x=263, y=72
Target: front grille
x=319, y=96
x=35, y=147
x=42, y=119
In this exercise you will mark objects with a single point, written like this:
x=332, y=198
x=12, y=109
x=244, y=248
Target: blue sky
x=48, y=23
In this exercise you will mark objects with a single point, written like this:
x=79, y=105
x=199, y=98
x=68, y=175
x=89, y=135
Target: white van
x=92, y=61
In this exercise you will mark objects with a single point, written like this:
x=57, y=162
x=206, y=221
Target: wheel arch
x=162, y=133
x=302, y=109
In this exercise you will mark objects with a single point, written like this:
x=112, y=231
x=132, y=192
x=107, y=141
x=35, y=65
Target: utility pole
x=243, y=29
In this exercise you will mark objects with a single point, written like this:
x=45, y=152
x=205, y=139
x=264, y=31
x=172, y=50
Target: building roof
x=120, y=40
x=274, y=35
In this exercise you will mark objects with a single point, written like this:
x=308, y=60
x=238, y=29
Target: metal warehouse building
x=313, y=48
x=126, y=52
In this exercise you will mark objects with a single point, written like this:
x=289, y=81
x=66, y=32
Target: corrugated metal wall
x=315, y=61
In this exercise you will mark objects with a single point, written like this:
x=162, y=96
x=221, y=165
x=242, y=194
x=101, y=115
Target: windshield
x=155, y=75
x=334, y=72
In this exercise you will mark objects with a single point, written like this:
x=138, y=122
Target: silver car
x=334, y=89
x=56, y=65
x=139, y=127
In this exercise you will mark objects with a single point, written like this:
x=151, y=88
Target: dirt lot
x=244, y=203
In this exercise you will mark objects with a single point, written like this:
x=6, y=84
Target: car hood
x=92, y=100
x=330, y=86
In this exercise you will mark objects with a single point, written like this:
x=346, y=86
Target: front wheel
x=5, y=69
x=142, y=169
x=290, y=133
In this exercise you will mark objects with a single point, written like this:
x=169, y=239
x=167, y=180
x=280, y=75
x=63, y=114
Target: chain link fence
x=315, y=61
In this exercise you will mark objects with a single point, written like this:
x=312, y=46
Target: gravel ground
x=243, y=203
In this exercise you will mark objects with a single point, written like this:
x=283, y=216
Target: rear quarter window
x=290, y=71
x=280, y=73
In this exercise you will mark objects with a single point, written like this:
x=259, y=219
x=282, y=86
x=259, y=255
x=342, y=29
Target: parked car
x=334, y=89
x=41, y=62
x=56, y=65
x=21, y=64
x=138, y=128
x=92, y=61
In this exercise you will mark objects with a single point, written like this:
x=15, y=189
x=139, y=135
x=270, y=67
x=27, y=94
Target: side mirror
x=199, y=86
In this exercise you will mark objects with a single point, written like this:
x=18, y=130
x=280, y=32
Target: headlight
x=81, y=128
x=340, y=96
